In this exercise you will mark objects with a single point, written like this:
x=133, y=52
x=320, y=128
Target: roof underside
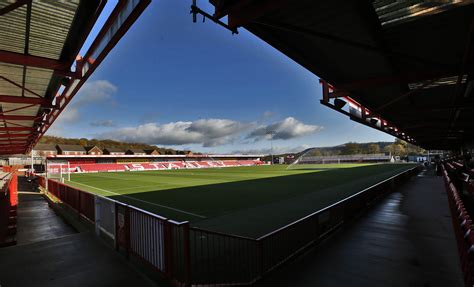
x=47, y=31
x=407, y=61
x=40, y=66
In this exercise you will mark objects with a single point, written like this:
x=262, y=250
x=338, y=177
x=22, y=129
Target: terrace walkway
x=51, y=253
x=36, y=221
x=406, y=240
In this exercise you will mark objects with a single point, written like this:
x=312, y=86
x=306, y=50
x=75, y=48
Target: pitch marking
x=144, y=201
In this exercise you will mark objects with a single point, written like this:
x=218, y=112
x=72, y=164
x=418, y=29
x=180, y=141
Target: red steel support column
x=13, y=190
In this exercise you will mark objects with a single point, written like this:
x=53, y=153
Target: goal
x=60, y=171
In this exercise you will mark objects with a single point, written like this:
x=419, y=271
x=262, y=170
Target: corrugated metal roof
x=393, y=12
x=39, y=43
x=39, y=30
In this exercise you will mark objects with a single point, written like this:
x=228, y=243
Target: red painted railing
x=189, y=255
x=155, y=240
x=8, y=208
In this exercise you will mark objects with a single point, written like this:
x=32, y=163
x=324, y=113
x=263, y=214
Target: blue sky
x=175, y=83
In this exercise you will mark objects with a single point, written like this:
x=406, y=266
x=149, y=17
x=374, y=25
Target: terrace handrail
x=334, y=204
x=117, y=202
x=223, y=234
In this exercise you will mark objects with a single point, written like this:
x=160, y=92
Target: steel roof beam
x=16, y=129
x=17, y=118
x=9, y=143
x=119, y=23
x=20, y=151
x=13, y=6
x=32, y=61
x=16, y=147
x=15, y=135
x=23, y=100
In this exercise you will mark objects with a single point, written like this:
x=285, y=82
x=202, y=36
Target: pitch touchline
x=144, y=201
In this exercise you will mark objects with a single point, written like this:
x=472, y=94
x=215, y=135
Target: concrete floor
x=75, y=260
x=52, y=253
x=36, y=221
x=406, y=240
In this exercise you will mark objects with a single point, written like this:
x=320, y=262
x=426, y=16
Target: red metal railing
x=80, y=201
x=190, y=255
x=218, y=258
x=157, y=241
x=8, y=207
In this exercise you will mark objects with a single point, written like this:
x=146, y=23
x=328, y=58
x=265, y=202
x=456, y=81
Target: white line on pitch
x=144, y=201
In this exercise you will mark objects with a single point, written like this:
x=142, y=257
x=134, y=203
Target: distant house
x=113, y=151
x=44, y=150
x=133, y=151
x=71, y=149
x=93, y=150
x=152, y=151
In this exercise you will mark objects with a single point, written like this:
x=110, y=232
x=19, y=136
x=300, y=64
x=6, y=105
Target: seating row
x=111, y=167
x=463, y=228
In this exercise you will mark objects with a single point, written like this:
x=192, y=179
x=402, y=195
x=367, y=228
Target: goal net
x=60, y=171
x=311, y=158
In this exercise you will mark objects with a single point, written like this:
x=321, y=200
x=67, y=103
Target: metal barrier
x=218, y=258
x=157, y=241
x=105, y=216
x=8, y=209
x=194, y=256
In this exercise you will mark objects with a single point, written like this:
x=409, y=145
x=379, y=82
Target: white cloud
x=288, y=128
x=92, y=92
x=276, y=150
x=95, y=92
x=267, y=115
x=69, y=115
x=103, y=123
x=208, y=132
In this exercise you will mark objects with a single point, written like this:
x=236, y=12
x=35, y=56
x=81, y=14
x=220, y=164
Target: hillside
x=397, y=148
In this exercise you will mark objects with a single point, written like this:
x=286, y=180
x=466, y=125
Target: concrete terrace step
x=73, y=260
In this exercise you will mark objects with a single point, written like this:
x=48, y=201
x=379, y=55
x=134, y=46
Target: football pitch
x=247, y=201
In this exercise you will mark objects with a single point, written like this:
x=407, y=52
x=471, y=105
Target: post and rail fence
x=188, y=255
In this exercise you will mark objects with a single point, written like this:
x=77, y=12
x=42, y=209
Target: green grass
x=248, y=201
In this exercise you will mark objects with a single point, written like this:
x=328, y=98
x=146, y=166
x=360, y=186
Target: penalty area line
x=144, y=201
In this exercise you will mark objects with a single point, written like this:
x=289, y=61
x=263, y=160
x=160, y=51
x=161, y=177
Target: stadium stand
x=88, y=166
x=379, y=157
x=455, y=183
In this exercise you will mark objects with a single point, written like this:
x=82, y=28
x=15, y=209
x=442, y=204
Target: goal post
x=60, y=171
x=311, y=158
